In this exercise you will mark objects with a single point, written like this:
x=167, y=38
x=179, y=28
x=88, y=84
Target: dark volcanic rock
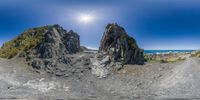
x=120, y=46
x=54, y=49
x=44, y=48
x=116, y=49
x=57, y=42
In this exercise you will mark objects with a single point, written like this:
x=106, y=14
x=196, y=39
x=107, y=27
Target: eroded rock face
x=52, y=53
x=116, y=49
x=120, y=46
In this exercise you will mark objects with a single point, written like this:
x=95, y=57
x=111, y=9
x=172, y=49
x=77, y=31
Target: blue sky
x=155, y=24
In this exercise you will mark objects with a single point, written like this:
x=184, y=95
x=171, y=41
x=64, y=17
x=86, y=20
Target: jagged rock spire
x=120, y=46
x=116, y=49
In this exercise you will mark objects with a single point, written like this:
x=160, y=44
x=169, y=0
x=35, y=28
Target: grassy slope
x=198, y=54
x=26, y=41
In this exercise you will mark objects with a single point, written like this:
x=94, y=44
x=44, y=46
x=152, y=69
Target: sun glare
x=86, y=18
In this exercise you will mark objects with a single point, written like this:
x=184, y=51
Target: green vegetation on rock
x=163, y=59
x=196, y=54
x=26, y=41
x=132, y=42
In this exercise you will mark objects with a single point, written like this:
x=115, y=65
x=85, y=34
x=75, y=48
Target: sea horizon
x=167, y=51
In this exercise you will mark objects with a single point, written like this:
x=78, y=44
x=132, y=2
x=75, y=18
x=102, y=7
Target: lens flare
x=86, y=18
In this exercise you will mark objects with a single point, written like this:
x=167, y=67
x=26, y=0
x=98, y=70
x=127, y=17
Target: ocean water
x=154, y=51
x=166, y=51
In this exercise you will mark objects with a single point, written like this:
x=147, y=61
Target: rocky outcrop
x=54, y=48
x=120, y=46
x=45, y=48
x=51, y=54
x=116, y=49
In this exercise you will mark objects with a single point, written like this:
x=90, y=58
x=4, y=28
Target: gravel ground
x=154, y=80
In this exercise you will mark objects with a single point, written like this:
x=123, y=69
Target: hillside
x=45, y=48
x=24, y=42
x=34, y=37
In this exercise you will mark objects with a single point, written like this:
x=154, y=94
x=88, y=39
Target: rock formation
x=116, y=49
x=122, y=47
x=44, y=48
x=55, y=50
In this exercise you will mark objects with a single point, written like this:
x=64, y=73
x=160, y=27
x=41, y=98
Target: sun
x=86, y=18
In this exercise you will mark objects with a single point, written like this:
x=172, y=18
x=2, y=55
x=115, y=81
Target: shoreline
x=167, y=51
